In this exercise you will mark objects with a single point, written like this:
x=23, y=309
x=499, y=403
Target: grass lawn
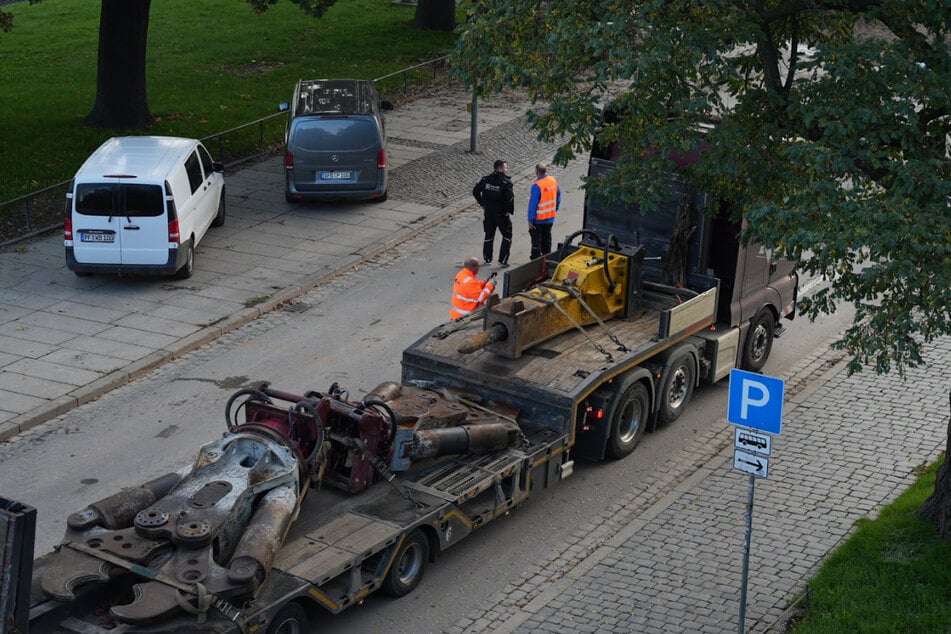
x=892, y=575
x=212, y=65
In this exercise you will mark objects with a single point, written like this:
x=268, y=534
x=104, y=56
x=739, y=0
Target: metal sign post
x=746, y=553
x=755, y=402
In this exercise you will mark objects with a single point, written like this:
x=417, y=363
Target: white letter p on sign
x=749, y=386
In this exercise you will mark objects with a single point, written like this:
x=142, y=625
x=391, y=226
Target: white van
x=141, y=204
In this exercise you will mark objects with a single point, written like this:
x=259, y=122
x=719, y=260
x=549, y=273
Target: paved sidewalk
x=66, y=340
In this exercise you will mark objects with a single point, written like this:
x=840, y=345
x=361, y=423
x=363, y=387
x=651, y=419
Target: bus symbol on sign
x=751, y=441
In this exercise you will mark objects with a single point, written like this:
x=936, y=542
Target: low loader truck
x=310, y=502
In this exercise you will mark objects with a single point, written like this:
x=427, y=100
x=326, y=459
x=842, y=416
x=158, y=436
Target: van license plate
x=335, y=176
x=97, y=236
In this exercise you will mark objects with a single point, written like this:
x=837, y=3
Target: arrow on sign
x=758, y=465
x=750, y=463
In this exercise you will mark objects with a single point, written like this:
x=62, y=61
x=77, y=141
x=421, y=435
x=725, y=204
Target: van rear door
x=336, y=153
x=119, y=223
x=143, y=224
x=96, y=228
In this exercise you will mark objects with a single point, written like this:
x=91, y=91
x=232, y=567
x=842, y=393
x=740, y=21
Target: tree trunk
x=121, y=96
x=436, y=15
x=937, y=508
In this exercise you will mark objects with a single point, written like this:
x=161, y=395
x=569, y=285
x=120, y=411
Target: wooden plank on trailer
x=336, y=530
x=323, y=565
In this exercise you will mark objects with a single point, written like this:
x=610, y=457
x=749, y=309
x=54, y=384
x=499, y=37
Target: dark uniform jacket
x=495, y=194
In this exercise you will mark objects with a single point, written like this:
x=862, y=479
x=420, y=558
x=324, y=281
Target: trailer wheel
x=291, y=619
x=628, y=420
x=759, y=341
x=678, y=387
x=408, y=565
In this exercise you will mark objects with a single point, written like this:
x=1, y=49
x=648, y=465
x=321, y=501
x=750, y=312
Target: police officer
x=495, y=195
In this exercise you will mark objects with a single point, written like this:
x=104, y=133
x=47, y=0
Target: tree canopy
x=831, y=135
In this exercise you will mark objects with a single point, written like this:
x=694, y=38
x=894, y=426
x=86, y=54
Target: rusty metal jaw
x=215, y=531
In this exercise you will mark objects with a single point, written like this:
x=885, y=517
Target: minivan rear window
x=335, y=135
x=109, y=199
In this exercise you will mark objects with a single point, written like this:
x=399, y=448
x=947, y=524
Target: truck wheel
x=220, y=216
x=291, y=619
x=678, y=387
x=189, y=267
x=759, y=341
x=628, y=421
x=408, y=565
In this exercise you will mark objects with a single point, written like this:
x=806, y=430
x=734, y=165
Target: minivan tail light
x=288, y=160
x=173, y=231
x=67, y=228
x=381, y=159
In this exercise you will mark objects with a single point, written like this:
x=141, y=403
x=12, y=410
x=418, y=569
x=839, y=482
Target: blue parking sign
x=756, y=401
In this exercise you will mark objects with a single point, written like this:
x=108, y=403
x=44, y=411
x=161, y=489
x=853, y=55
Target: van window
x=206, y=162
x=143, y=200
x=338, y=135
x=110, y=199
x=193, y=167
x=95, y=200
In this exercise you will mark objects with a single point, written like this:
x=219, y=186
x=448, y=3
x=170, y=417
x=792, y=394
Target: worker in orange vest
x=543, y=204
x=469, y=293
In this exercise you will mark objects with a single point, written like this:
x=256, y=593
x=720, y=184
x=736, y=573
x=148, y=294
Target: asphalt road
x=350, y=331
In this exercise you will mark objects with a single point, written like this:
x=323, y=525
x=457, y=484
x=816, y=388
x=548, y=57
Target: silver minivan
x=335, y=141
x=140, y=205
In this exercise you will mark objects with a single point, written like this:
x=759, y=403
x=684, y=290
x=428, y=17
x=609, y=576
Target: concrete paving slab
x=64, y=322
x=138, y=337
x=21, y=330
x=14, y=403
x=93, y=361
x=32, y=386
x=157, y=325
x=49, y=370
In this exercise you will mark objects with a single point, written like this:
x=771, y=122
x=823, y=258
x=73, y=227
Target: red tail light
x=173, y=234
x=67, y=228
x=288, y=160
x=381, y=159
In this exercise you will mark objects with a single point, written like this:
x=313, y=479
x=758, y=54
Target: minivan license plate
x=335, y=176
x=89, y=236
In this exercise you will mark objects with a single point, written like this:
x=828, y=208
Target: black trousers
x=503, y=222
x=541, y=239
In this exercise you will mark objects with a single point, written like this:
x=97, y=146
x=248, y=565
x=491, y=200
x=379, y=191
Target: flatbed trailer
x=342, y=546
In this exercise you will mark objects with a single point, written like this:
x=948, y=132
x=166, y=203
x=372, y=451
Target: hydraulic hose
x=253, y=394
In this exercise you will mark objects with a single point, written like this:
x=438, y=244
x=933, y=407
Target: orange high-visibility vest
x=468, y=294
x=548, y=202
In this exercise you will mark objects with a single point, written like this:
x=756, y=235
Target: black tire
x=408, y=566
x=628, y=421
x=290, y=198
x=383, y=197
x=291, y=619
x=220, y=216
x=679, y=381
x=82, y=273
x=759, y=341
x=189, y=267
